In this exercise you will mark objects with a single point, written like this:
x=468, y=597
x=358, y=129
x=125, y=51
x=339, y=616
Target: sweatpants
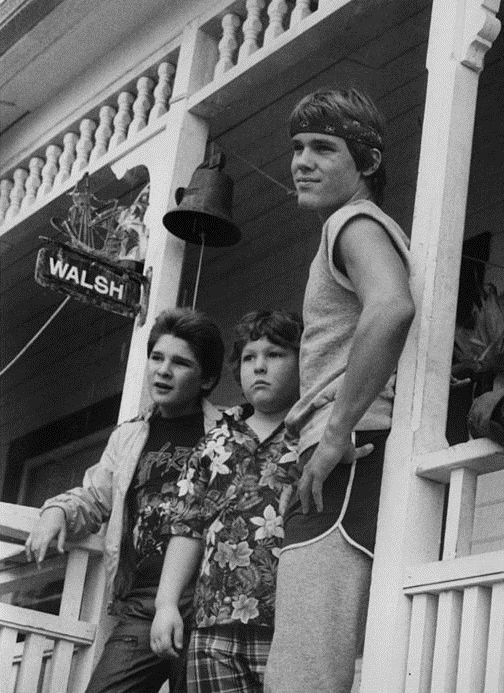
x=320, y=614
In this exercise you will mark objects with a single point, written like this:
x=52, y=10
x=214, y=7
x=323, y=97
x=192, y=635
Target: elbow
x=405, y=313
x=396, y=313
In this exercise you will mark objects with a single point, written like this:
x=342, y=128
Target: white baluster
x=33, y=182
x=122, y=119
x=276, y=11
x=163, y=91
x=17, y=193
x=85, y=145
x=142, y=105
x=66, y=159
x=228, y=43
x=5, y=189
x=103, y=132
x=301, y=11
x=49, y=170
x=252, y=27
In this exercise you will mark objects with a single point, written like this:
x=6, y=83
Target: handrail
x=481, y=456
x=17, y=521
x=77, y=627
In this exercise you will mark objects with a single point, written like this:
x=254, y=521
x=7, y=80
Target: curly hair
x=281, y=327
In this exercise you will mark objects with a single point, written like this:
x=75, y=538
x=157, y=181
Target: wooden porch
x=231, y=73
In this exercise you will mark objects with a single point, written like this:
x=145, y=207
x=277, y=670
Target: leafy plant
x=479, y=351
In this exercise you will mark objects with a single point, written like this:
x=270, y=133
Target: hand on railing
x=50, y=525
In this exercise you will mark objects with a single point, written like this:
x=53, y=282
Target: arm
x=387, y=311
x=182, y=558
x=80, y=510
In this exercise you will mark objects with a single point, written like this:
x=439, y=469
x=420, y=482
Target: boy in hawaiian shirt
x=233, y=496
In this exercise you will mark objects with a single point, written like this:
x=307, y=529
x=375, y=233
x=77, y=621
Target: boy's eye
x=247, y=357
x=156, y=357
x=181, y=362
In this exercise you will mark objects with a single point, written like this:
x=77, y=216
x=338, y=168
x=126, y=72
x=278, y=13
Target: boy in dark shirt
x=131, y=488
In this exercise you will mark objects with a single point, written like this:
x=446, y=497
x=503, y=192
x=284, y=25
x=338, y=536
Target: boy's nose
x=165, y=368
x=304, y=159
x=260, y=365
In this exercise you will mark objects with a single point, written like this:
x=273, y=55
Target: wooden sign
x=91, y=279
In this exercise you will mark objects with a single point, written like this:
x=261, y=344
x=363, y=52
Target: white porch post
x=409, y=525
x=171, y=159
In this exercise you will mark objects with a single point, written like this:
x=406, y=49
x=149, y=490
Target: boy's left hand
x=317, y=469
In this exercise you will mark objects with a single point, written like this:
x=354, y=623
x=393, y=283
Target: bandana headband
x=347, y=129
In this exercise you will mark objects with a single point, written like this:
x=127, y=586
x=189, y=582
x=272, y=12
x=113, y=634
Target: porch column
x=171, y=159
x=409, y=523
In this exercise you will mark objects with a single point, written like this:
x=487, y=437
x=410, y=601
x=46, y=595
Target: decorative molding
x=277, y=12
x=481, y=28
x=228, y=45
x=252, y=28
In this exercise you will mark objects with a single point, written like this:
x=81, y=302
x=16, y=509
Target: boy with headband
x=357, y=312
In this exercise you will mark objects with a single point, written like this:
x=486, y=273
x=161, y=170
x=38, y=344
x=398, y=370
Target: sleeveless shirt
x=331, y=310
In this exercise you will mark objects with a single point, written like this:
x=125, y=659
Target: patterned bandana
x=347, y=129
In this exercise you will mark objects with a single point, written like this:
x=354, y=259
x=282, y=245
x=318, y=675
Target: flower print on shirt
x=270, y=525
x=245, y=608
x=233, y=554
x=230, y=495
x=216, y=452
x=186, y=485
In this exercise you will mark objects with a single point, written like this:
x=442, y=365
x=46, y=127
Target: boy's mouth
x=301, y=181
x=163, y=387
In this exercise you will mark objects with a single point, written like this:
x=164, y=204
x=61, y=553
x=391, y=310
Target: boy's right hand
x=51, y=524
x=167, y=631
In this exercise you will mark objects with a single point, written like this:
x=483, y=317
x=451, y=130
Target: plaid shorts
x=228, y=659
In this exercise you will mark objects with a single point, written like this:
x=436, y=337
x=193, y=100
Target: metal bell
x=203, y=214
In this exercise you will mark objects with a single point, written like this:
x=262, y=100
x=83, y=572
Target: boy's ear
x=377, y=159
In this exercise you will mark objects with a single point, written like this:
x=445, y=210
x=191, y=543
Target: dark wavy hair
x=344, y=105
x=200, y=332
x=280, y=326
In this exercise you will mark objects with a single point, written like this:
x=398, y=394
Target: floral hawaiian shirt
x=233, y=494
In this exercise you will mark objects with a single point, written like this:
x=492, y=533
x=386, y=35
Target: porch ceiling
x=38, y=38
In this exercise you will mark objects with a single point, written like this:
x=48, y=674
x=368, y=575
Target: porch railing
x=457, y=625
x=45, y=652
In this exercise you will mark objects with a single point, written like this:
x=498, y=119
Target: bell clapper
x=200, y=262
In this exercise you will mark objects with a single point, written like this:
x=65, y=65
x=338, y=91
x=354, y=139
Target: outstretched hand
x=167, y=632
x=317, y=469
x=50, y=525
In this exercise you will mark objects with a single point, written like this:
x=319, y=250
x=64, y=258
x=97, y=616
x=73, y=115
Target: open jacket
x=101, y=497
